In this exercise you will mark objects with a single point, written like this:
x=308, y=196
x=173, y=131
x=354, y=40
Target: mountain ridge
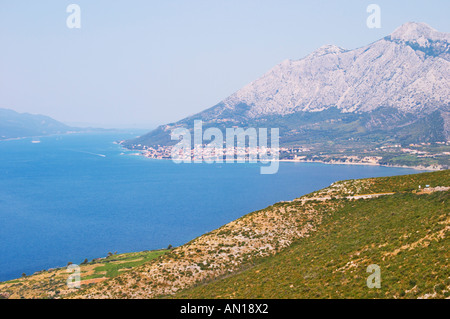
x=353, y=80
x=19, y=125
x=405, y=72
x=15, y=125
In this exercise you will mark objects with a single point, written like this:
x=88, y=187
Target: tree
x=169, y=247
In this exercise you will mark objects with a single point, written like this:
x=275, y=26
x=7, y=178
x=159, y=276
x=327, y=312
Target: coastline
x=42, y=284
x=418, y=168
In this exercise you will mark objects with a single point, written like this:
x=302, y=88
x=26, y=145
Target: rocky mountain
x=13, y=125
x=395, y=88
x=408, y=70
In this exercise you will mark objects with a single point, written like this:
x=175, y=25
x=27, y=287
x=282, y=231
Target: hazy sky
x=142, y=63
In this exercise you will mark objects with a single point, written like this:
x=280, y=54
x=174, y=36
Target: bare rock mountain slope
x=388, y=85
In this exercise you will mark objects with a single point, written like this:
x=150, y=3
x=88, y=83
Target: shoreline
x=418, y=168
x=323, y=195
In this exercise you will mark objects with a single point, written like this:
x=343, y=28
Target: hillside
x=316, y=246
x=405, y=234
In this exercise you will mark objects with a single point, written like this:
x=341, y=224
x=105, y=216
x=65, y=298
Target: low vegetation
x=404, y=234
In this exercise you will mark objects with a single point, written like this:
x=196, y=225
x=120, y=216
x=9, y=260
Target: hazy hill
x=13, y=125
x=17, y=125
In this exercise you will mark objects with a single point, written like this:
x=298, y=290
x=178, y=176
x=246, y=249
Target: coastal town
x=432, y=156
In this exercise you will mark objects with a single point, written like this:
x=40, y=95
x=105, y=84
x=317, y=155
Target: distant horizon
x=147, y=64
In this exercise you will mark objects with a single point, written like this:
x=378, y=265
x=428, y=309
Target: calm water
x=61, y=201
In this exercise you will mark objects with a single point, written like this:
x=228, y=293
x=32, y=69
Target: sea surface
x=70, y=197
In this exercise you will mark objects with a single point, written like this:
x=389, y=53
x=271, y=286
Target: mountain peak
x=417, y=32
x=327, y=49
x=403, y=76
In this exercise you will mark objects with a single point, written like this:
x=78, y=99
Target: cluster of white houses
x=205, y=153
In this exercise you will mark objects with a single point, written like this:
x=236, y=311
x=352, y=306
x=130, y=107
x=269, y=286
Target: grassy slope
x=332, y=262
x=403, y=233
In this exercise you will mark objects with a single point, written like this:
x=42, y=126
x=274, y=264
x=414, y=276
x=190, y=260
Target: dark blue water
x=60, y=201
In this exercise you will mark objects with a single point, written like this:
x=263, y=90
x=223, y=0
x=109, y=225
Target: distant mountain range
x=13, y=125
x=396, y=89
x=16, y=125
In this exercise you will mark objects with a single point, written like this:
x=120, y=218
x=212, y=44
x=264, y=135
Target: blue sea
x=78, y=196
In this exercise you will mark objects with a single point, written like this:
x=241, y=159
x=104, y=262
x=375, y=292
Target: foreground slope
x=405, y=234
x=219, y=253
x=316, y=246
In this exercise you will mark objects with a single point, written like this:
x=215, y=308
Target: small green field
x=112, y=266
x=53, y=283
